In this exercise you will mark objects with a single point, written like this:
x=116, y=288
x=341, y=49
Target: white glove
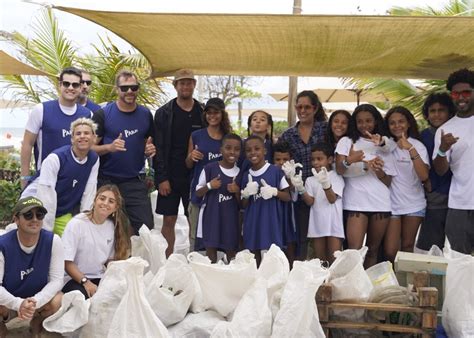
x=267, y=191
x=323, y=177
x=297, y=181
x=289, y=168
x=251, y=188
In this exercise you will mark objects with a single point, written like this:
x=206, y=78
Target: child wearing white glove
x=323, y=193
x=265, y=186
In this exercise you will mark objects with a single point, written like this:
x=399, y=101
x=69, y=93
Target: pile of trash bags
x=148, y=295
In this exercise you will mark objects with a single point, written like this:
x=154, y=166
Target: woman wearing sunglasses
x=94, y=238
x=31, y=268
x=309, y=130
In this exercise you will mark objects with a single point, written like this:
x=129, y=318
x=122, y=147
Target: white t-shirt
x=461, y=161
x=367, y=192
x=406, y=190
x=35, y=122
x=325, y=219
x=88, y=245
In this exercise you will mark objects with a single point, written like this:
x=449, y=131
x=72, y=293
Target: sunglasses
x=87, y=82
x=29, y=215
x=67, y=84
x=125, y=89
x=464, y=93
x=305, y=107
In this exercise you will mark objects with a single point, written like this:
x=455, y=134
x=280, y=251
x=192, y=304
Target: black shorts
x=432, y=231
x=460, y=230
x=368, y=214
x=169, y=205
x=72, y=285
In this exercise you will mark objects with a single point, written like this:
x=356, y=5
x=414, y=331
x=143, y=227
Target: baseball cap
x=183, y=74
x=215, y=103
x=26, y=204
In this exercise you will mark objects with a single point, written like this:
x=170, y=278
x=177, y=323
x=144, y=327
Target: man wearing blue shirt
x=31, y=268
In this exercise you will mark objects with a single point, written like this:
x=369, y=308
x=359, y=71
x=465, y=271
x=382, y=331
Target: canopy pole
x=293, y=80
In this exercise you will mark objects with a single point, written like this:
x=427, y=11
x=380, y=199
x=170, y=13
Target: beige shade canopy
x=299, y=45
x=340, y=95
x=11, y=66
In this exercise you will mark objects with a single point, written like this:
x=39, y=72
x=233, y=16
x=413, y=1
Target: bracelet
x=328, y=188
x=345, y=163
x=415, y=157
x=209, y=186
x=441, y=153
x=26, y=178
x=301, y=192
x=412, y=147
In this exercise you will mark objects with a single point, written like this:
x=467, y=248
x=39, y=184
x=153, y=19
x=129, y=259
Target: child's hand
x=289, y=168
x=216, y=182
x=251, y=188
x=355, y=155
x=196, y=155
x=323, y=177
x=267, y=191
x=403, y=143
x=376, y=138
x=297, y=181
x=376, y=164
x=233, y=187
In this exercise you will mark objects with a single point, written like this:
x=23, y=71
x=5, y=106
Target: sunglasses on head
x=29, y=215
x=87, y=82
x=125, y=89
x=464, y=93
x=67, y=84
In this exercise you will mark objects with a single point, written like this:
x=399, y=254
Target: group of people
x=357, y=178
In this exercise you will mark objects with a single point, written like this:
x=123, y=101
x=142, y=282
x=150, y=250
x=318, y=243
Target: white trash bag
x=458, y=306
x=72, y=315
x=134, y=317
x=196, y=325
x=251, y=318
x=151, y=246
x=222, y=286
x=172, y=290
x=298, y=315
x=103, y=304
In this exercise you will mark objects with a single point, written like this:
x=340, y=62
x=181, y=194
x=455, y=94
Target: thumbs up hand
x=447, y=140
x=323, y=177
x=117, y=145
x=251, y=188
x=195, y=154
x=267, y=191
x=233, y=187
x=403, y=142
x=216, y=182
x=289, y=168
x=150, y=149
x=297, y=181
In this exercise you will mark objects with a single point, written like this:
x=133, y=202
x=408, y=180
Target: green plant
x=279, y=127
x=9, y=195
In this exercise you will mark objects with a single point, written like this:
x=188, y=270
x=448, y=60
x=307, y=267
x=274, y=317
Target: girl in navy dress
x=259, y=123
x=219, y=183
x=265, y=186
x=204, y=147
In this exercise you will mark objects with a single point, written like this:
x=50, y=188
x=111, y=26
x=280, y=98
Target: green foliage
x=9, y=194
x=239, y=129
x=279, y=127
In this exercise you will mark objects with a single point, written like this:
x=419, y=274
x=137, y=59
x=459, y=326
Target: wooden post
x=293, y=80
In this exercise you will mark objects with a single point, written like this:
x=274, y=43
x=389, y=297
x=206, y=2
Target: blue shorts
x=419, y=213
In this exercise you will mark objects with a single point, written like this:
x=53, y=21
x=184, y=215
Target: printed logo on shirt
x=130, y=132
x=74, y=182
x=223, y=198
x=214, y=156
x=26, y=272
x=66, y=133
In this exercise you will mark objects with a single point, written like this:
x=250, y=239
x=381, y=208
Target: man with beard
x=454, y=149
x=83, y=99
x=124, y=138
x=174, y=123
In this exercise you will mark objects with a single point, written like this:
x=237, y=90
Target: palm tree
x=402, y=92
x=51, y=51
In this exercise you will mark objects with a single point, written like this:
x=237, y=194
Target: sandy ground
x=20, y=328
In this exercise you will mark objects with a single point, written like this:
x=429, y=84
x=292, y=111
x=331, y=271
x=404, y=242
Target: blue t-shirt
x=55, y=128
x=211, y=149
x=25, y=274
x=135, y=127
x=92, y=106
x=439, y=184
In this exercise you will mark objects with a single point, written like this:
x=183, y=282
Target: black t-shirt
x=184, y=123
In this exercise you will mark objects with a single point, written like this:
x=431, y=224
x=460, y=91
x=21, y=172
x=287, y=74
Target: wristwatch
x=84, y=280
x=345, y=163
